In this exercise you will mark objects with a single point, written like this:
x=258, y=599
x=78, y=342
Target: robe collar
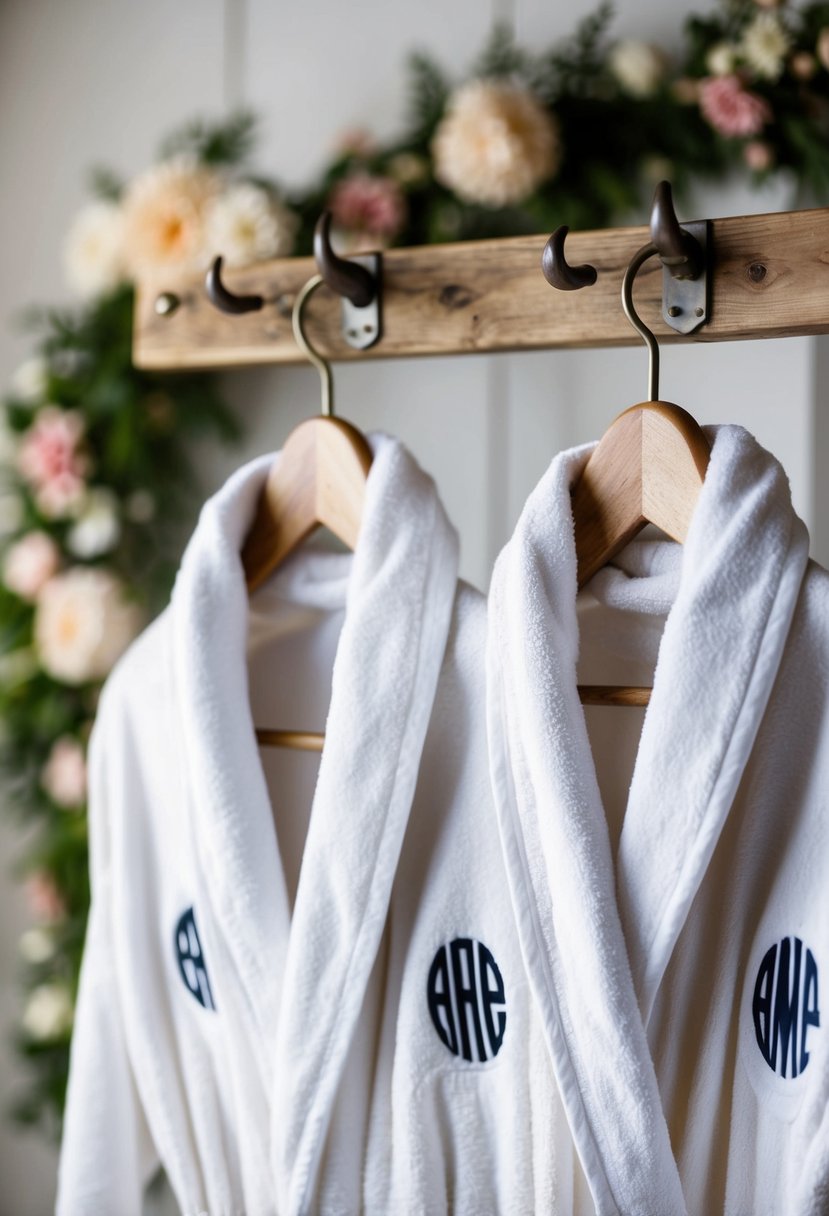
x=596, y=959
x=304, y=977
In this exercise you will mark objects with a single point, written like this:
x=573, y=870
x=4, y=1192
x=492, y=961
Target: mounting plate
x=686, y=303
x=362, y=326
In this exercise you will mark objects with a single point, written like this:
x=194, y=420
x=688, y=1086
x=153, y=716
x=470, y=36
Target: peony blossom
x=731, y=109
x=64, y=773
x=29, y=564
x=639, y=67
x=97, y=529
x=765, y=45
x=370, y=205
x=49, y=1012
x=83, y=623
x=247, y=224
x=495, y=144
x=51, y=460
x=165, y=211
x=44, y=898
x=93, y=253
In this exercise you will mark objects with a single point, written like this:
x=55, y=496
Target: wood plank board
x=770, y=279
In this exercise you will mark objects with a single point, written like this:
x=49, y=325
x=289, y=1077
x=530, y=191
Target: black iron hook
x=344, y=277
x=677, y=249
x=225, y=300
x=556, y=270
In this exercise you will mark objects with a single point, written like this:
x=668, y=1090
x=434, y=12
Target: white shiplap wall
x=99, y=81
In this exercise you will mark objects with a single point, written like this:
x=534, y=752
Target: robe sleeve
x=107, y=1154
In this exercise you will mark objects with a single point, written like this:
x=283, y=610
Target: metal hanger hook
x=322, y=365
x=647, y=335
x=557, y=270
x=223, y=298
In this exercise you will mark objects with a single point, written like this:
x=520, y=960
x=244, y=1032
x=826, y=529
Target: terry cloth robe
x=352, y=1035
x=676, y=932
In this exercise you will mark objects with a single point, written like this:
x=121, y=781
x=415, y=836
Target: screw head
x=674, y=311
x=166, y=304
x=699, y=312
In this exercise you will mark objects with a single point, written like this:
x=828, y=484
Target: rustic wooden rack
x=769, y=278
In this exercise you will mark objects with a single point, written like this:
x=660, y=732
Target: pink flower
x=51, y=461
x=29, y=564
x=730, y=109
x=364, y=202
x=44, y=898
x=64, y=774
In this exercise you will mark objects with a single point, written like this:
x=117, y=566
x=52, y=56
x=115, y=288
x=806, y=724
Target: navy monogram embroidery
x=785, y=1005
x=467, y=1003
x=190, y=959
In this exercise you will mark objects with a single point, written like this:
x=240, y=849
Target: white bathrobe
x=357, y=1036
x=676, y=933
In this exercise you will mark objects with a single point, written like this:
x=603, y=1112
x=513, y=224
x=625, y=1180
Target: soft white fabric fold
x=596, y=943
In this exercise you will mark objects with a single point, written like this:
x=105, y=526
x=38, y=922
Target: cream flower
x=36, y=946
x=496, y=144
x=29, y=564
x=247, y=224
x=639, y=67
x=48, y=1013
x=93, y=253
x=98, y=528
x=30, y=381
x=822, y=47
x=165, y=210
x=765, y=45
x=408, y=169
x=721, y=59
x=64, y=773
x=83, y=623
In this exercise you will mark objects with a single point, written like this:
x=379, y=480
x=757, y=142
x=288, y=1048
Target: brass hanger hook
x=321, y=364
x=647, y=335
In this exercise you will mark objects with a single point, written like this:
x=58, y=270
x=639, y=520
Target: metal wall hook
x=222, y=298
x=555, y=267
x=678, y=250
x=322, y=365
x=345, y=277
x=647, y=335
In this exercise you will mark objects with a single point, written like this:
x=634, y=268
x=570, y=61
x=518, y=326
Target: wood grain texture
x=648, y=467
x=613, y=694
x=770, y=279
x=319, y=480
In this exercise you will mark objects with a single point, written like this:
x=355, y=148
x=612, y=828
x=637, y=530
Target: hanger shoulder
x=319, y=479
x=647, y=468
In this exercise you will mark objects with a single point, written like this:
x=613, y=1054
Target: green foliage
x=227, y=143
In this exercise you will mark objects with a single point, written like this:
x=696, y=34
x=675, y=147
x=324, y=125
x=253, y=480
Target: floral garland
x=94, y=493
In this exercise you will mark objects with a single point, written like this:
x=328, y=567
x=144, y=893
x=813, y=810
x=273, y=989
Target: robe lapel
x=742, y=566
x=559, y=863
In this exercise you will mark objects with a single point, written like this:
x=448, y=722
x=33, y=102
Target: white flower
x=164, y=216
x=721, y=59
x=30, y=381
x=248, y=224
x=408, y=169
x=83, y=623
x=98, y=527
x=48, y=1013
x=639, y=67
x=93, y=253
x=36, y=946
x=765, y=45
x=496, y=143
x=64, y=773
x=29, y=564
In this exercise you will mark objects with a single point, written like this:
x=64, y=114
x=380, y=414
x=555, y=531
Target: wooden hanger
x=319, y=480
x=648, y=467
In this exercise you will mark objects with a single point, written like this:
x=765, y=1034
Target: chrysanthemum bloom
x=731, y=109
x=165, y=211
x=496, y=144
x=247, y=224
x=765, y=45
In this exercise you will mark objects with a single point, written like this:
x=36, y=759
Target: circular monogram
x=467, y=1004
